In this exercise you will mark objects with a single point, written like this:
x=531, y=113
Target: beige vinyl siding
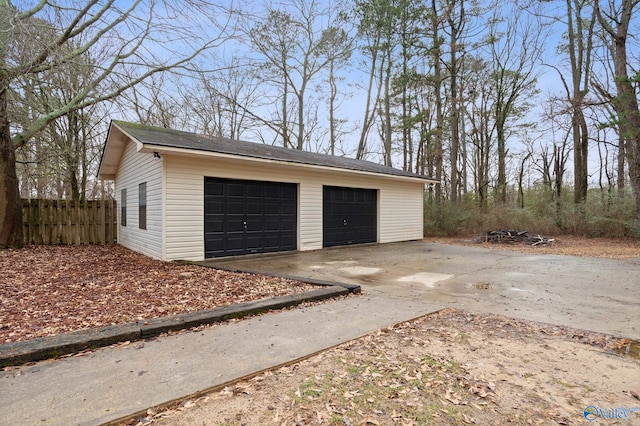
x=400, y=211
x=134, y=169
x=184, y=215
x=310, y=214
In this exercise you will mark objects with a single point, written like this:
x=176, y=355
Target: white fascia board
x=184, y=152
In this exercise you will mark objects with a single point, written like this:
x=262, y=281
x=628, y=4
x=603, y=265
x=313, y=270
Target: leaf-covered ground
x=448, y=368
x=47, y=290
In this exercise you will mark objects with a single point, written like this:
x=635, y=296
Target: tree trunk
x=580, y=34
x=300, y=145
x=456, y=24
x=626, y=102
x=629, y=116
x=10, y=203
x=621, y=158
x=521, y=180
x=284, y=126
x=455, y=129
x=370, y=111
x=387, y=110
x=559, y=169
x=332, y=107
x=437, y=81
x=502, y=165
x=580, y=153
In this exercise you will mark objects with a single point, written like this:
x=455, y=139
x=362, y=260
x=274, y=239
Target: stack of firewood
x=511, y=237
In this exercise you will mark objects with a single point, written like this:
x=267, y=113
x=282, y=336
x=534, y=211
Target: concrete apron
x=601, y=295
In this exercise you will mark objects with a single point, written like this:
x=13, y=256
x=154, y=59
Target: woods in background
x=526, y=111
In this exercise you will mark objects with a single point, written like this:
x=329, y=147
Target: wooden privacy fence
x=69, y=221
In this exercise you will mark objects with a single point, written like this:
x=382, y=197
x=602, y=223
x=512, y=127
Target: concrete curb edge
x=42, y=348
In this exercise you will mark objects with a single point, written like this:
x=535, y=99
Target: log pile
x=507, y=236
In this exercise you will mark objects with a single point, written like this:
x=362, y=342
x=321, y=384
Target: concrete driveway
x=586, y=293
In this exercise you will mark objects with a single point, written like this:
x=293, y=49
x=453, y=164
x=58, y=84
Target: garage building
x=192, y=197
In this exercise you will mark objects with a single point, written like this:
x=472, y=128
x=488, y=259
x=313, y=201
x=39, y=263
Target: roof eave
x=112, y=152
x=114, y=146
x=188, y=152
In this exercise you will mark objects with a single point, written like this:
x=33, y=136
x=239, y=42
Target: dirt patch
x=610, y=248
x=48, y=290
x=450, y=367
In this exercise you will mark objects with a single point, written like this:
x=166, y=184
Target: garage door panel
x=288, y=224
x=272, y=225
x=254, y=224
x=244, y=216
x=214, y=246
x=234, y=189
x=271, y=208
x=214, y=225
x=234, y=241
x=215, y=207
x=272, y=241
x=234, y=225
x=289, y=194
x=349, y=216
x=254, y=208
x=272, y=192
x=254, y=190
x=234, y=207
x=214, y=188
x=254, y=242
x=288, y=239
x=287, y=209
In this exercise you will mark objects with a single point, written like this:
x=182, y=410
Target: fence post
x=102, y=231
x=69, y=233
x=38, y=214
x=59, y=222
x=25, y=222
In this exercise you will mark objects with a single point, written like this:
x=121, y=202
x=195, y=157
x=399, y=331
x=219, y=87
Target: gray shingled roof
x=178, y=139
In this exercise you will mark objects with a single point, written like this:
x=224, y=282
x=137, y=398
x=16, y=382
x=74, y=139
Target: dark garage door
x=244, y=216
x=349, y=216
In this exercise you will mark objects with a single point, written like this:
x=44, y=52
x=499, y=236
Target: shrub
x=604, y=214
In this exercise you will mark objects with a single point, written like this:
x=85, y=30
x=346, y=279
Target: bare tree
x=438, y=82
x=338, y=52
x=482, y=129
x=155, y=102
x=457, y=22
x=60, y=159
x=375, y=28
x=615, y=19
x=129, y=43
x=295, y=47
x=221, y=102
x=559, y=130
x=581, y=19
x=515, y=49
